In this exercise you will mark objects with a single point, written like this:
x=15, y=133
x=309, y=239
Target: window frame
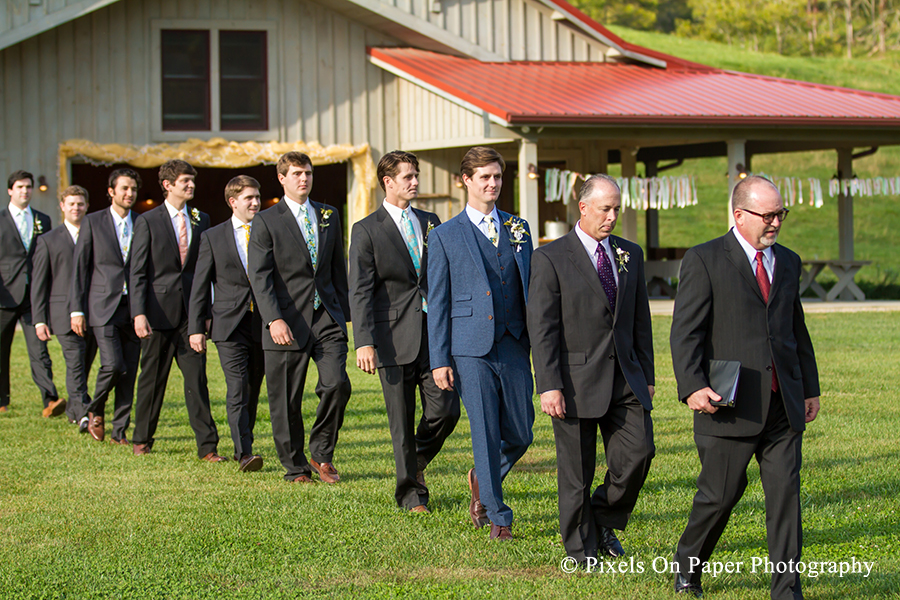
x=213, y=27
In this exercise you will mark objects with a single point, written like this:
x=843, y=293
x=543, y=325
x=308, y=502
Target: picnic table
x=845, y=270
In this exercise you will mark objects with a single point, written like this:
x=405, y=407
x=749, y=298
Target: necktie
x=311, y=246
x=492, y=230
x=762, y=278
x=124, y=243
x=412, y=245
x=22, y=222
x=246, y=228
x=607, y=278
x=182, y=237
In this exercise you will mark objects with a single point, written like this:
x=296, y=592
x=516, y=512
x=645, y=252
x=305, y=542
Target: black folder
x=723, y=379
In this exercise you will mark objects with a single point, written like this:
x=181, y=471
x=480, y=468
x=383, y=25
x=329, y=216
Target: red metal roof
x=522, y=92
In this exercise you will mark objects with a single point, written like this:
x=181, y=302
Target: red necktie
x=762, y=278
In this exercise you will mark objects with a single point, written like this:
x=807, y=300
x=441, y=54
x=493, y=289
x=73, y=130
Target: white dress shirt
x=477, y=218
x=173, y=216
x=297, y=210
x=750, y=251
x=16, y=213
x=592, y=247
x=73, y=231
x=396, y=214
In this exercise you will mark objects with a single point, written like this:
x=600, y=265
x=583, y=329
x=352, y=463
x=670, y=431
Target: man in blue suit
x=479, y=264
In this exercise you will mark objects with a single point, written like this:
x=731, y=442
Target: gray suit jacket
x=385, y=292
x=51, y=281
x=575, y=337
x=100, y=272
x=15, y=261
x=720, y=314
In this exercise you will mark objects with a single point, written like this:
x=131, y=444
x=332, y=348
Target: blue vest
x=506, y=285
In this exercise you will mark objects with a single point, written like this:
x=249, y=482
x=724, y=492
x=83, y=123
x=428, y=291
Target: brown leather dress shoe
x=477, y=512
x=250, y=462
x=95, y=427
x=326, y=471
x=502, y=533
x=3, y=409
x=55, y=408
x=214, y=458
x=141, y=449
x=421, y=508
x=119, y=442
x=301, y=479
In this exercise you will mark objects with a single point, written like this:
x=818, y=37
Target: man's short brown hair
x=479, y=156
x=19, y=176
x=239, y=184
x=124, y=172
x=389, y=165
x=292, y=159
x=75, y=190
x=171, y=170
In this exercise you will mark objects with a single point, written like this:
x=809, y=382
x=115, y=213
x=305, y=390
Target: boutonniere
x=427, y=231
x=326, y=214
x=38, y=227
x=622, y=258
x=518, y=231
x=195, y=217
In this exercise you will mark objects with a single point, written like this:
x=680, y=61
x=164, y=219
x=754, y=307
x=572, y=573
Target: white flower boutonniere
x=622, y=258
x=38, y=227
x=195, y=217
x=518, y=231
x=427, y=231
x=326, y=214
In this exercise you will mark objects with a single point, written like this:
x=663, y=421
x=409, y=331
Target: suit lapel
x=468, y=233
x=624, y=279
x=517, y=254
x=10, y=220
x=324, y=236
x=290, y=222
x=231, y=245
x=778, y=274
x=585, y=267
x=165, y=221
x=423, y=225
x=738, y=258
x=108, y=227
x=389, y=228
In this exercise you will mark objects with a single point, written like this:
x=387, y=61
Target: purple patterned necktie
x=607, y=278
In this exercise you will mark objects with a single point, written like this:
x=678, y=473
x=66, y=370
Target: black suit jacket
x=282, y=275
x=385, y=292
x=576, y=338
x=100, y=272
x=720, y=314
x=160, y=284
x=15, y=262
x=220, y=264
x=51, y=279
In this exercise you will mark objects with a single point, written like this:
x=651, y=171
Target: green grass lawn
x=812, y=232
x=80, y=519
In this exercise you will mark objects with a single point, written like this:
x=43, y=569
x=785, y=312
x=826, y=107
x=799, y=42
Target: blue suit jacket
x=460, y=308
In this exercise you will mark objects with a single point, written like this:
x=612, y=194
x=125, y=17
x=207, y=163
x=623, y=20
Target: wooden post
x=529, y=202
x=736, y=156
x=628, y=216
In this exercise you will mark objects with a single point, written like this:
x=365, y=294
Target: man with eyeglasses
x=739, y=300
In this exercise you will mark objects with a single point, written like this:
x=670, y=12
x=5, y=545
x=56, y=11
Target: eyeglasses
x=769, y=217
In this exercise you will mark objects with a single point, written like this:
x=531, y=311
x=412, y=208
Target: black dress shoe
x=683, y=586
x=609, y=544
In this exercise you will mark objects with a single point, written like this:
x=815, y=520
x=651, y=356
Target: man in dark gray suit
x=298, y=273
x=389, y=292
x=166, y=244
x=101, y=282
x=592, y=345
x=20, y=226
x=235, y=327
x=739, y=300
x=53, y=265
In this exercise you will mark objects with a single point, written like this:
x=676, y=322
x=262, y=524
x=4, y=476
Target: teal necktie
x=311, y=246
x=412, y=245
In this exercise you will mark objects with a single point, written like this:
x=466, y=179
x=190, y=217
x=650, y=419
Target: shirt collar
x=16, y=211
x=72, y=229
x=396, y=212
x=749, y=250
x=117, y=219
x=174, y=211
x=237, y=223
x=589, y=243
x=477, y=217
x=296, y=207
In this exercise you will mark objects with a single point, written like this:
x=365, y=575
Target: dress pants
x=79, y=353
x=414, y=449
x=285, y=380
x=120, y=350
x=497, y=391
x=41, y=366
x=627, y=432
x=722, y=480
x=157, y=352
x=243, y=364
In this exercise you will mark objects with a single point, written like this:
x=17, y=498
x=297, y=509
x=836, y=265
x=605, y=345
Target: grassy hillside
x=810, y=231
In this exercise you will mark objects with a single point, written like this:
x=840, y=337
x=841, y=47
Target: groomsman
x=236, y=327
x=389, y=291
x=20, y=226
x=101, y=282
x=299, y=278
x=166, y=243
x=53, y=265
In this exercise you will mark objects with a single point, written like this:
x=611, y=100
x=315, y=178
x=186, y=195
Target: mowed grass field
x=81, y=519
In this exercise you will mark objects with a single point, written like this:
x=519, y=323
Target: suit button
x=612, y=357
x=503, y=282
x=769, y=368
x=488, y=293
x=498, y=254
x=417, y=309
x=490, y=317
x=501, y=268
